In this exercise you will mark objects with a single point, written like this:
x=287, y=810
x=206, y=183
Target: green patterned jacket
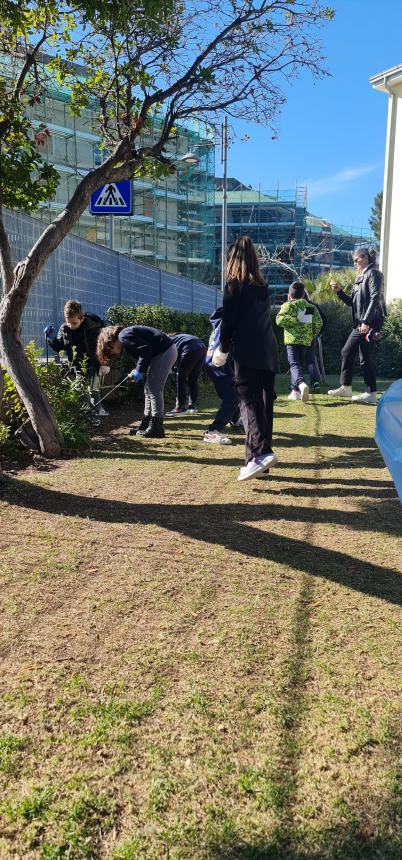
x=300, y=320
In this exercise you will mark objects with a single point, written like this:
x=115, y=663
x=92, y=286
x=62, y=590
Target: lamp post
x=192, y=158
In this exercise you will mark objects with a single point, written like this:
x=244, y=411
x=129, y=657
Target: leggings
x=158, y=373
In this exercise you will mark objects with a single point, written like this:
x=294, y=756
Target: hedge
x=388, y=351
x=159, y=316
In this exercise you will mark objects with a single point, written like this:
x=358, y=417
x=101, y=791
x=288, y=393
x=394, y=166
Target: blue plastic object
x=48, y=331
x=136, y=376
x=388, y=434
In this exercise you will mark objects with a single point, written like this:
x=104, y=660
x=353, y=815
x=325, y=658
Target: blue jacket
x=143, y=342
x=213, y=343
x=187, y=343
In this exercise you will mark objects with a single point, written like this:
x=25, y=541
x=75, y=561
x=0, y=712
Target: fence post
x=53, y=285
x=160, y=286
x=192, y=294
x=118, y=279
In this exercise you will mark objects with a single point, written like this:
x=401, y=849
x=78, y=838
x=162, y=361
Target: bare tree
x=154, y=63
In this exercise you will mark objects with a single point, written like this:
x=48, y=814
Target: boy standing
x=77, y=337
x=301, y=322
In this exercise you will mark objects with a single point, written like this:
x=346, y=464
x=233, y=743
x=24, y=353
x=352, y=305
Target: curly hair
x=106, y=338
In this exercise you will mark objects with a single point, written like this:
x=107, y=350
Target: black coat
x=247, y=325
x=367, y=299
x=83, y=340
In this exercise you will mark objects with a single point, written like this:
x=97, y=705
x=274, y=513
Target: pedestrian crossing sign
x=114, y=198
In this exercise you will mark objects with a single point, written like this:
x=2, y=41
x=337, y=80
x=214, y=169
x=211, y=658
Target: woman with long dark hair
x=247, y=326
x=368, y=312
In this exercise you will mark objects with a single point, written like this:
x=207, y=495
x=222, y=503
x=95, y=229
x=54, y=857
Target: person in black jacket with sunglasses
x=368, y=312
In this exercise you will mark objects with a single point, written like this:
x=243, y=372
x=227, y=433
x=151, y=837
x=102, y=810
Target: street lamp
x=192, y=158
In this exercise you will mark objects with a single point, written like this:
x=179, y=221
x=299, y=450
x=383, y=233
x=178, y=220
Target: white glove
x=103, y=370
x=219, y=358
x=304, y=317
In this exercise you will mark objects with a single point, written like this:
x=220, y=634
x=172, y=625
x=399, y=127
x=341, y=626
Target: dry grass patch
x=197, y=668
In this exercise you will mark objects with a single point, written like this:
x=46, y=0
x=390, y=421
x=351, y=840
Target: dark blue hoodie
x=213, y=343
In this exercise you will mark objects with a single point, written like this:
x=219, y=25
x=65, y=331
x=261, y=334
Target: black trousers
x=256, y=397
x=357, y=341
x=188, y=371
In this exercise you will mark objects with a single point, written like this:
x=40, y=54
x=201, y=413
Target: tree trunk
x=18, y=282
x=27, y=385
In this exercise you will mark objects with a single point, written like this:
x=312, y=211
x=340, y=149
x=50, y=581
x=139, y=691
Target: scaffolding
x=290, y=241
x=172, y=224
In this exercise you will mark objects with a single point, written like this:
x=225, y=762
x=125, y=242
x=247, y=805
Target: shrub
x=68, y=397
x=4, y=437
x=320, y=290
x=389, y=357
x=159, y=316
x=388, y=352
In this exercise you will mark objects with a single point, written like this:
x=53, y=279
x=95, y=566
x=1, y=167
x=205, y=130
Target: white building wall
x=392, y=223
x=390, y=82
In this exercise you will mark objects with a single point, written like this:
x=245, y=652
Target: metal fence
x=97, y=277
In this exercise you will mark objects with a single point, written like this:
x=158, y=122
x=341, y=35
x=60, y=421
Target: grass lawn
x=194, y=667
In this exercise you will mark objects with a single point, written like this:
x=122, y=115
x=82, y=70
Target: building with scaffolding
x=172, y=222
x=290, y=241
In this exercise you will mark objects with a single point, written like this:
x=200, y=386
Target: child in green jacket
x=301, y=322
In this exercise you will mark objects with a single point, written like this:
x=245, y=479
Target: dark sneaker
x=316, y=388
x=177, y=411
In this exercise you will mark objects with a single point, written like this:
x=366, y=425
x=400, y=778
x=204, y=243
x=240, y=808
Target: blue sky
x=332, y=132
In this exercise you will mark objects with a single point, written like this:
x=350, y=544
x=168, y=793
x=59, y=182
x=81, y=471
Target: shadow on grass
x=342, y=842
x=369, y=458
x=326, y=440
x=228, y=525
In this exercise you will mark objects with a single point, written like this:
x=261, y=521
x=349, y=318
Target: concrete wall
x=98, y=278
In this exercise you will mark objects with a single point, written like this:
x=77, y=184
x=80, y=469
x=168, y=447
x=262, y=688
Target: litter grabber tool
x=119, y=384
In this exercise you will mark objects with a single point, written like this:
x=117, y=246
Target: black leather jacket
x=367, y=299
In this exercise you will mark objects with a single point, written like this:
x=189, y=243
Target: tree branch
x=6, y=262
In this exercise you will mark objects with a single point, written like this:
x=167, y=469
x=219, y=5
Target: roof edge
x=389, y=76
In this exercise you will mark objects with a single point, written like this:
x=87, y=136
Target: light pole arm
x=224, y=162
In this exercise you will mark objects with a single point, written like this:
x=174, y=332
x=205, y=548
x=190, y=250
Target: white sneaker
x=216, y=438
x=252, y=470
x=342, y=391
x=304, y=392
x=267, y=460
x=294, y=395
x=367, y=397
x=102, y=412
